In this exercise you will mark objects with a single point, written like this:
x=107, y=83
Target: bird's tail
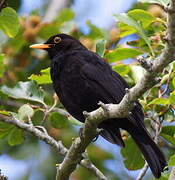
x=149, y=149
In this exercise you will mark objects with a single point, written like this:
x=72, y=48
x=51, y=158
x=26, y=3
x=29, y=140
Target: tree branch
x=172, y=174
x=122, y=109
x=78, y=147
x=3, y=4
x=142, y=172
x=42, y=135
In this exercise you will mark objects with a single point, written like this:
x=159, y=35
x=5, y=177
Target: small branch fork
x=41, y=133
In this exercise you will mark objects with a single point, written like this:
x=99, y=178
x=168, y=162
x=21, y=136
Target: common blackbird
x=81, y=79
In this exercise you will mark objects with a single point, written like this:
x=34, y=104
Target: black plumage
x=81, y=79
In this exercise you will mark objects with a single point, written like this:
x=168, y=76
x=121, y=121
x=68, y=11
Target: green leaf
x=169, y=138
x=95, y=32
x=18, y=42
x=48, y=30
x=2, y=66
x=164, y=176
x=100, y=47
x=43, y=78
x=142, y=16
x=122, y=53
x=122, y=69
x=74, y=121
x=173, y=81
x=25, y=111
x=5, y=129
x=54, y=28
x=133, y=157
x=65, y=15
x=170, y=130
x=161, y=2
x=7, y=113
x=125, y=30
x=171, y=162
x=169, y=115
x=136, y=25
x=168, y=133
x=16, y=137
x=25, y=90
x=9, y=22
x=172, y=98
x=139, y=15
x=160, y=101
x=57, y=120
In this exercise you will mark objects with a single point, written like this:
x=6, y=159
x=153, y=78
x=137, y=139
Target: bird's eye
x=57, y=39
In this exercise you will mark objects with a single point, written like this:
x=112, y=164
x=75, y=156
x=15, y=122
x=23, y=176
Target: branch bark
x=172, y=174
x=3, y=4
x=75, y=153
x=41, y=133
x=122, y=109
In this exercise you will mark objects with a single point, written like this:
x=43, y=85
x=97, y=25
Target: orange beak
x=40, y=46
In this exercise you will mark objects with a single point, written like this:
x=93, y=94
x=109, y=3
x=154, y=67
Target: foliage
x=9, y=21
x=26, y=91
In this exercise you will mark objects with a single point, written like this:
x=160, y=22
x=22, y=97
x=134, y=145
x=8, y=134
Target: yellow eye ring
x=57, y=39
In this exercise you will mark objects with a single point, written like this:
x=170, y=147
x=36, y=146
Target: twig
x=142, y=172
x=42, y=135
x=78, y=147
x=2, y=176
x=172, y=174
x=36, y=132
x=48, y=110
x=18, y=105
x=3, y=4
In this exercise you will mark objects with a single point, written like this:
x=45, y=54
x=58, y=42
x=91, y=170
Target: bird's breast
x=73, y=90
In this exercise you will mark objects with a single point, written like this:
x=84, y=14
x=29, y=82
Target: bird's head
x=59, y=45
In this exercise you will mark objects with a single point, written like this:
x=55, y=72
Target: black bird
x=81, y=79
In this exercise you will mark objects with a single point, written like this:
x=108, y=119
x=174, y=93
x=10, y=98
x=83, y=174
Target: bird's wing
x=109, y=85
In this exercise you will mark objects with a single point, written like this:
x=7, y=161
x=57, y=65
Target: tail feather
x=135, y=127
x=150, y=151
x=113, y=136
